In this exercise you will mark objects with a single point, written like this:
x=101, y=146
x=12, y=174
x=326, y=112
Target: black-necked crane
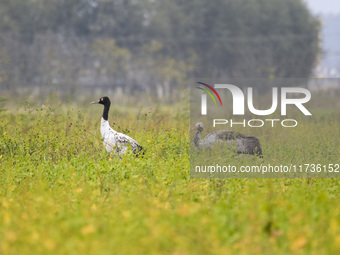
x=115, y=142
x=238, y=142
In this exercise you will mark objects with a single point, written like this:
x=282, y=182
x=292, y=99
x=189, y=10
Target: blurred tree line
x=152, y=45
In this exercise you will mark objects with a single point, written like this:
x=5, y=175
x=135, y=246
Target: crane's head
x=103, y=100
x=199, y=127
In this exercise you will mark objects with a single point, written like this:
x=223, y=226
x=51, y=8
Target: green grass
x=61, y=193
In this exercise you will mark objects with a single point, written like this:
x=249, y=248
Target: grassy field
x=61, y=193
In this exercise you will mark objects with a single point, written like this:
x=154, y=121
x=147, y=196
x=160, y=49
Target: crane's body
x=232, y=140
x=115, y=141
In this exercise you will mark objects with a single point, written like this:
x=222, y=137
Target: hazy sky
x=324, y=6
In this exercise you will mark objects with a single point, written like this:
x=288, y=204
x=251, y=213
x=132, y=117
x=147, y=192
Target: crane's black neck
x=106, y=111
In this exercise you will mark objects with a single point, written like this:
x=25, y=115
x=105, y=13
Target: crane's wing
x=120, y=142
x=222, y=135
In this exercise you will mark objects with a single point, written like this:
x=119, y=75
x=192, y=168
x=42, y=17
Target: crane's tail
x=253, y=146
x=139, y=152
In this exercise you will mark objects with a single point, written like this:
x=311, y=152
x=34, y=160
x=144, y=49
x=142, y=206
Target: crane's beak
x=194, y=128
x=95, y=102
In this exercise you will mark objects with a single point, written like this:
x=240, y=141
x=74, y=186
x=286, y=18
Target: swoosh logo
x=212, y=89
